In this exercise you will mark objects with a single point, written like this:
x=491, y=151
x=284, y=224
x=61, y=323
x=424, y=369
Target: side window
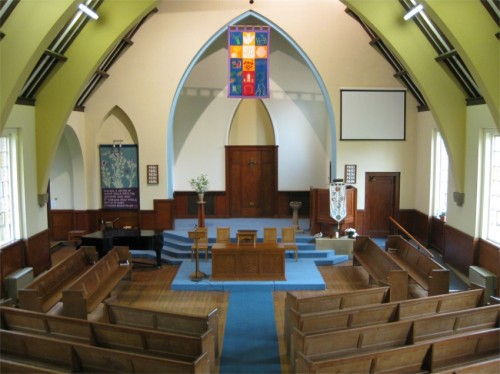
x=9, y=208
x=440, y=177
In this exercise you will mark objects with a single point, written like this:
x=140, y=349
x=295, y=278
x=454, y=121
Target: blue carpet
x=250, y=340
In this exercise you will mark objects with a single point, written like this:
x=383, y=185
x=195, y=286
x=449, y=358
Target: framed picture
x=350, y=174
x=152, y=173
x=119, y=176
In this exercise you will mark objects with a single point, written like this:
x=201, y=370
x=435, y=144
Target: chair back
x=270, y=235
x=288, y=234
x=223, y=235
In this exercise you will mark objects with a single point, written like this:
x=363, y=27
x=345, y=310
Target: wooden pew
x=381, y=268
x=164, y=321
x=332, y=320
x=390, y=335
x=467, y=353
x=317, y=301
x=181, y=347
x=9, y=366
x=90, y=289
x=47, y=289
x=429, y=274
x=64, y=355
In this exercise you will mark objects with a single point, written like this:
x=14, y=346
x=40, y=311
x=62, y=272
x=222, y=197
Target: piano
x=135, y=239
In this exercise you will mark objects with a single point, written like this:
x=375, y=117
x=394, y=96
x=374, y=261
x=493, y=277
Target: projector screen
x=372, y=114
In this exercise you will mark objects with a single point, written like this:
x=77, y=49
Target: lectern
x=197, y=275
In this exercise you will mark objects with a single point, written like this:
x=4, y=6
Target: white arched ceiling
x=200, y=96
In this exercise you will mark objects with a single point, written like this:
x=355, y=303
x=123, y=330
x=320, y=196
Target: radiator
x=17, y=280
x=484, y=278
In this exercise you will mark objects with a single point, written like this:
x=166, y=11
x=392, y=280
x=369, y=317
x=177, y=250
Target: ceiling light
x=413, y=11
x=89, y=12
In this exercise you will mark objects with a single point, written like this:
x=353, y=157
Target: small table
x=246, y=236
x=342, y=246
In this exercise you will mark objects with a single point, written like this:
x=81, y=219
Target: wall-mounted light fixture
x=89, y=12
x=413, y=12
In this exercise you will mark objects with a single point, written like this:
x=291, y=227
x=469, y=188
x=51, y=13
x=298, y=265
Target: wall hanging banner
x=338, y=201
x=119, y=177
x=248, y=48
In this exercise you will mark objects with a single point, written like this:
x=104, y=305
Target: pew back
x=71, y=356
x=381, y=268
x=46, y=290
x=428, y=273
x=88, y=291
x=164, y=321
x=158, y=343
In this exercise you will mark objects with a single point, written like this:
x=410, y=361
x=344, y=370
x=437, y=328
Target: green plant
x=200, y=184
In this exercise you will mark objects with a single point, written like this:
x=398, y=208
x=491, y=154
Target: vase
x=350, y=235
x=200, y=196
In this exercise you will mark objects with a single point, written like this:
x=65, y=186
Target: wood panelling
x=217, y=204
x=38, y=252
x=164, y=214
x=459, y=249
x=320, y=220
x=436, y=234
x=488, y=257
x=147, y=219
x=416, y=223
x=61, y=222
x=11, y=259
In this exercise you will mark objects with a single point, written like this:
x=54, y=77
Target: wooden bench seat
x=47, y=289
x=165, y=321
x=90, y=289
x=395, y=334
x=381, y=268
x=181, y=347
x=69, y=356
x=331, y=320
x=465, y=353
x=317, y=301
x=429, y=274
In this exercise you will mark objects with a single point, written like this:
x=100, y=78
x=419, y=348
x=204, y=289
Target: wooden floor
x=150, y=288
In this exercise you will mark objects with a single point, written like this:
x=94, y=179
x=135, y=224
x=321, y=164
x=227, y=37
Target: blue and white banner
x=338, y=201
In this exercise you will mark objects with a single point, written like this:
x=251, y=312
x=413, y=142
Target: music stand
x=197, y=275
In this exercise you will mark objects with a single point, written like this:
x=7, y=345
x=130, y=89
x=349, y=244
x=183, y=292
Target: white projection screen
x=372, y=114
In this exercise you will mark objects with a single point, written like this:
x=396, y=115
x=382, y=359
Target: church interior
x=263, y=186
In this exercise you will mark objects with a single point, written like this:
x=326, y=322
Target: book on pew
x=124, y=262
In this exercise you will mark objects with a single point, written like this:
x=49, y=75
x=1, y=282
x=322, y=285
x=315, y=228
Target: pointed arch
x=308, y=62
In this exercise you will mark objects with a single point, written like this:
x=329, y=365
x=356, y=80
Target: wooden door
x=381, y=201
x=251, y=180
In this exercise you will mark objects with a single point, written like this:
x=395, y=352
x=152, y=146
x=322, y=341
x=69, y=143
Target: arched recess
x=117, y=126
x=251, y=125
x=67, y=177
x=182, y=92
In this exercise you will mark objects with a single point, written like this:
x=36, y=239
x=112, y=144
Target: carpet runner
x=250, y=340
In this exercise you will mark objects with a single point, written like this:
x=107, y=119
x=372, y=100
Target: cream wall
x=143, y=84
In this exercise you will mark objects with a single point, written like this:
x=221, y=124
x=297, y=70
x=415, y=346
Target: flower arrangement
x=350, y=232
x=200, y=183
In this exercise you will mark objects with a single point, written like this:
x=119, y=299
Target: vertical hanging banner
x=338, y=201
x=248, y=48
x=119, y=178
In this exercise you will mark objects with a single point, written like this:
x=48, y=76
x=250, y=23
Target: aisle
x=250, y=340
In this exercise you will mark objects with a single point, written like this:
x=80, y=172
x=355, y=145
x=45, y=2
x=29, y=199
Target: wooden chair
x=202, y=243
x=288, y=239
x=223, y=235
x=270, y=235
